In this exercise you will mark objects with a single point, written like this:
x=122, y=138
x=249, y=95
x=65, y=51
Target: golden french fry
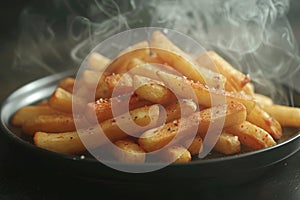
x=195, y=146
x=43, y=103
x=152, y=90
x=119, y=65
x=228, y=144
x=149, y=69
x=157, y=138
x=28, y=113
x=66, y=143
x=263, y=120
x=67, y=84
x=98, y=62
x=249, y=89
x=263, y=100
x=251, y=135
x=102, y=107
x=214, y=62
x=176, y=154
x=61, y=100
x=53, y=123
x=129, y=152
x=203, y=95
x=285, y=115
x=181, y=61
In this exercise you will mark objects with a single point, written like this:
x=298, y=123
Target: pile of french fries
x=250, y=119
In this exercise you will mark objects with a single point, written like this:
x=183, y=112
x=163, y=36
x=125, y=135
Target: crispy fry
x=176, y=154
x=129, y=152
x=66, y=143
x=119, y=65
x=49, y=123
x=263, y=120
x=152, y=90
x=150, y=69
x=67, y=84
x=102, y=107
x=61, y=100
x=195, y=146
x=228, y=144
x=214, y=62
x=263, y=100
x=203, y=94
x=285, y=115
x=28, y=113
x=181, y=61
x=251, y=135
x=98, y=62
x=157, y=138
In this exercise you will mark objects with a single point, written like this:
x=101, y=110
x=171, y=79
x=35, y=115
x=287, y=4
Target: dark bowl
x=221, y=170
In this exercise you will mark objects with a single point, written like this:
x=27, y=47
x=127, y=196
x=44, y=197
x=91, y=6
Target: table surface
x=24, y=176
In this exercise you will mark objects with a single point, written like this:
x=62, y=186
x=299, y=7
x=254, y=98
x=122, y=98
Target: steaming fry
x=251, y=136
x=263, y=120
x=28, y=113
x=286, y=116
x=49, y=123
x=129, y=152
x=228, y=144
x=214, y=62
x=98, y=62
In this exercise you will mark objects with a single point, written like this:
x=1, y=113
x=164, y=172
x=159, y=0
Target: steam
x=254, y=35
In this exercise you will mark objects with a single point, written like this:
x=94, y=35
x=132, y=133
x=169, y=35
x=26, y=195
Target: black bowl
x=226, y=169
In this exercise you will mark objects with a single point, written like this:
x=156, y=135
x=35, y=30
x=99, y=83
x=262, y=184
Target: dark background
x=22, y=176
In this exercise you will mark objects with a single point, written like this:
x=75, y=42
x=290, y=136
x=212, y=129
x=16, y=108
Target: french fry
x=195, y=146
x=129, y=152
x=61, y=100
x=263, y=120
x=181, y=61
x=49, y=123
x=28, y=113
x=214, y=62
x=203, y=95
x=251, y=135
x=228, y=144
x=285, y=115
x=144, y=116
x=65, y=143
x=157, y=138
x=98, y=62
x=152, y=90
x=67, y=84
x=102, y=107
x=119, y=65
x=249, y=89
x=177, y=154
x=263, y=100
